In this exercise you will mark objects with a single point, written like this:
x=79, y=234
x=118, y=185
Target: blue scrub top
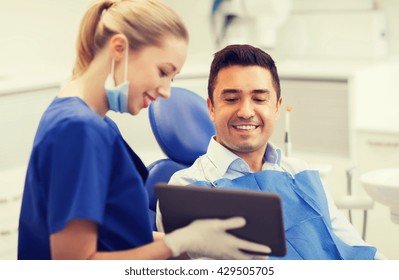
x=81, y=168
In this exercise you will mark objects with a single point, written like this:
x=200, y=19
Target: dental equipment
x=349, y=175
x=383, y=186
x=354, y=202
x=287, y=138
x=249, y=21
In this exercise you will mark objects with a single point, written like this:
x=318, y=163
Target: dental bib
x=307, y=222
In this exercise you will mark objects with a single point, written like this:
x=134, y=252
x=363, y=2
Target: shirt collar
x=272, y=154
x=223, y=158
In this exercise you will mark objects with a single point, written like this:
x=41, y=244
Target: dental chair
x=183, y=129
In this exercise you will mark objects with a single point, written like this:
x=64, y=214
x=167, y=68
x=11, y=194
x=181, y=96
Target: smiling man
x=244, y=103
x=244, y=108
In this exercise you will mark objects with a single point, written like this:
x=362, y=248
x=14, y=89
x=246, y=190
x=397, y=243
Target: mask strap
x=126, y=60
x=112, y=68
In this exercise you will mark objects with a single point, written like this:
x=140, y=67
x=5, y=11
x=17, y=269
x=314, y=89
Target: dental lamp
x=249, y=21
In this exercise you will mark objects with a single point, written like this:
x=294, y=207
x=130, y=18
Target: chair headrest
x=181, y=125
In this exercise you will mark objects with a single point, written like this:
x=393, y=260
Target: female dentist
x=84, y=195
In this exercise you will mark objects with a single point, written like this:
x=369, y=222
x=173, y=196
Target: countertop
x=12, y=83
x=196, y=66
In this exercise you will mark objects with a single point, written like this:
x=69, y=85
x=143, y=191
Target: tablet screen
x=180, y=205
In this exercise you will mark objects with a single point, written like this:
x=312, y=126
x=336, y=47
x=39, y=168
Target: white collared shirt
x=220, y=162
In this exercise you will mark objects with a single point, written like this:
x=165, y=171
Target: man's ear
x=278, y=106
x=211, y=109
x=118, y=44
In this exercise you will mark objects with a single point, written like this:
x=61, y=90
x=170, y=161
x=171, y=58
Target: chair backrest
x=182, y=128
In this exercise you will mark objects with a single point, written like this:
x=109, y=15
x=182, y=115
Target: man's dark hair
x=241, y=55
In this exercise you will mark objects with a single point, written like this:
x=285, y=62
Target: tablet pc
x=180, y=205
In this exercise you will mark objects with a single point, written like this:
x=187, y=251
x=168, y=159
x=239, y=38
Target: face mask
x=117, y=95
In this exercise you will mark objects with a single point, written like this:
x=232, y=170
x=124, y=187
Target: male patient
x=244, y=103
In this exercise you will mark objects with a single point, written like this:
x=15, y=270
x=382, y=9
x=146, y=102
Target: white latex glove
x=209, y=238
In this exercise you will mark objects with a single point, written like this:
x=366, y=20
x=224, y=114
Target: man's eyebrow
x=261, y=90
x=254, y=91
x=231, y=90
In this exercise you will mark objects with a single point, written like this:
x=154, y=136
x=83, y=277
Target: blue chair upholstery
x=182, y=128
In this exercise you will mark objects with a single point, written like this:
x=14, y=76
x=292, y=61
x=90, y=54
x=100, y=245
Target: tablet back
x=180, y=205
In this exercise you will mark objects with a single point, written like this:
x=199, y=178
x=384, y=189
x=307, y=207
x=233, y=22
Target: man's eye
x=230, y=99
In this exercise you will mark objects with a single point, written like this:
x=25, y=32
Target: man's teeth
x=246, y=127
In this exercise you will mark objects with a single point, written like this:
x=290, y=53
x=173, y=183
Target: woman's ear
x=118, y=44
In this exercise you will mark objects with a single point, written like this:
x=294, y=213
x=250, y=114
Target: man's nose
x=246, y=109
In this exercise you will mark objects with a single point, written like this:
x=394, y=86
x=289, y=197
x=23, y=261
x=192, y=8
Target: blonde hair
x=143, y=22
